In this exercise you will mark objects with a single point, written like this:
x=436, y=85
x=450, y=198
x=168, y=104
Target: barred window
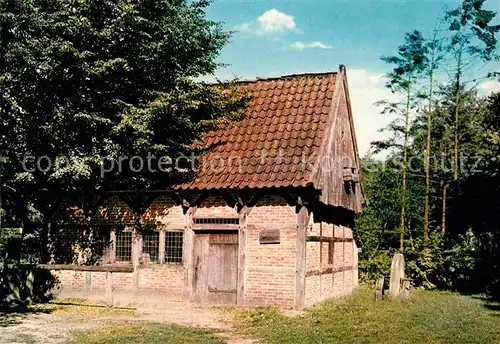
x=173, y=247
x=151, y=246
x=124, y=247
x=217, y=221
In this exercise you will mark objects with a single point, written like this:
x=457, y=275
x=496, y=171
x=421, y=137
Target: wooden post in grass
x=109, y=289
x=397, y=276
x=405, y=289
x=379, y=288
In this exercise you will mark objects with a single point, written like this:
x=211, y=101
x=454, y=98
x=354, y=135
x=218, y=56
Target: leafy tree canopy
x=86, y=79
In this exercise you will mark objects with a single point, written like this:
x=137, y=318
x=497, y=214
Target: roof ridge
x=286, y=76
x=295, y=75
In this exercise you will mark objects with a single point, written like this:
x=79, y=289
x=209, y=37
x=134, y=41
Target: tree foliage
x=411, y=61
x=456, y=240
x=86, y=80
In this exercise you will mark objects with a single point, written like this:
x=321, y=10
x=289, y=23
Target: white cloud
x=245, y=27
x=274, y=20
x=366, y=88
x=312, y=45
x=270, y=22
x=490, y=86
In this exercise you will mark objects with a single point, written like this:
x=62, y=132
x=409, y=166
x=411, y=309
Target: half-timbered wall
x=332, y=264
x=270, y=270
x=158, y=276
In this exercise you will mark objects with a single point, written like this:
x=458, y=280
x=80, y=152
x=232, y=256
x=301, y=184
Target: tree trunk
x=443, y=211
x=455, y=163
x=427, y=160
x=405, y=165
x=1, y=209
x=457, y=111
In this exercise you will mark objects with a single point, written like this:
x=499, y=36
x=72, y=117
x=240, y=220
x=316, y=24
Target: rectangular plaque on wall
x=269, y=236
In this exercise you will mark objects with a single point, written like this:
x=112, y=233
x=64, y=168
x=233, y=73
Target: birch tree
x=409, y=63
x=473, y=40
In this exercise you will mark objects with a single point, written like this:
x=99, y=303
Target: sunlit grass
x=428, y=317
x=143, y=332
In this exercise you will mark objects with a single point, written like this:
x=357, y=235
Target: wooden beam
x=139, y=203
x=315, y=238
x=254, y=199
x=228, y=197
x=125, y=197
x=199, y=200
x=321, y=260
x=379, y=288
x=290, y=200
x=242, y=243
x=97, y=268
x=300, y=259
x=136, y=247
x=214, y=231
x=185, y=206
x=176, y=198
x=146, y=203
x=88, y=280
x=329, y=270
x=109, y=289
x=188, y=246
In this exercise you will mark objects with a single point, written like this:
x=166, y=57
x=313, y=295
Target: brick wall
x=70, y=279
x=270, y=268
x=164, y=214
x=215, y=206
x=336, y=273
x=113, y=210
x=166, y=278
x=162, y=277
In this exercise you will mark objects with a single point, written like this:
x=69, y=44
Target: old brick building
x=267, y=220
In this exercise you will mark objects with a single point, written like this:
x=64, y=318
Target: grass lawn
x=429, y=317
x=147, y=333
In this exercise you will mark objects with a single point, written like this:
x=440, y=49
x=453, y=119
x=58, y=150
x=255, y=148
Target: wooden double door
x=215, y=267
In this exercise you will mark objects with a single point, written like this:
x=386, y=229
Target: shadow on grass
x=85, y=304
x=490, y=303
x=14, y=316
x=494, y=307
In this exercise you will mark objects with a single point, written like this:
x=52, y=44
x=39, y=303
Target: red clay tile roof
x=283, y=126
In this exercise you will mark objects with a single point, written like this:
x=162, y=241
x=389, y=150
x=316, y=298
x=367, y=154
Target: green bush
x=22, y=283
x=372, y=267
x=439, y=264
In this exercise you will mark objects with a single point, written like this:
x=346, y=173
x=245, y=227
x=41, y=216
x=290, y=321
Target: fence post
x=109, y=289
x=379, y=288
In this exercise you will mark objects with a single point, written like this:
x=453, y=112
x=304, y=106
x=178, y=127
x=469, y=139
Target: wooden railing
x=108, y=269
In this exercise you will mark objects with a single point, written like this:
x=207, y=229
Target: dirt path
x=55, y=323
x=41, y=328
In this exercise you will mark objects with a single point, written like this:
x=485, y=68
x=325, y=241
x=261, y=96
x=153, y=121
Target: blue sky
x=285, y=37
